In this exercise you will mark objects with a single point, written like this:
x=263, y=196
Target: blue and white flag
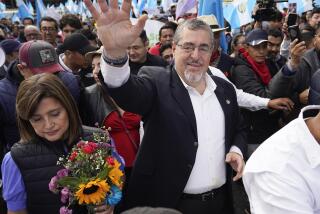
x=238, y=12
x=23, y=10
x=141, y=5
x=15, y=18
x=30, y=7
x=40, y=11
x=183, y=6
x=2, y=7
x=166, y=4
x=208, y=7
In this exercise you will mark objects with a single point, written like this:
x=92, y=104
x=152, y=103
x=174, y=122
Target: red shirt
x=124, y=145
x=155, y=50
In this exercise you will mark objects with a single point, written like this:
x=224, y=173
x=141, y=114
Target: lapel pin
x=228, y=101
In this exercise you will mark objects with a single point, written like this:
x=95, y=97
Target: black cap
x=256, y=37
x=77, y=42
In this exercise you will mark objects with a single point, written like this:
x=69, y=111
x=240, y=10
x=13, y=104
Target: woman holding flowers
x=49, y=125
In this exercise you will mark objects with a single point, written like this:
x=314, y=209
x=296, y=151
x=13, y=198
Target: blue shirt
x=14, y=192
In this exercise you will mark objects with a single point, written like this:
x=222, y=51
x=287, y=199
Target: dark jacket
x=169, y=146
x=225, y=64
x=263, y=123
x=93, y=108
x=9, y=133
x=37, y=162
x=314, y=92
x=152, y=60
x=288, y=85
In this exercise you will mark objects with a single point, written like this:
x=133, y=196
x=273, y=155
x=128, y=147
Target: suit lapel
x=181, y=95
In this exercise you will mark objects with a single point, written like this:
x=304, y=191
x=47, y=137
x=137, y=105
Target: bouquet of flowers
x=91, y=174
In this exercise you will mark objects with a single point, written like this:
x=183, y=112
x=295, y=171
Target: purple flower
x=62, y=173
x=53, y=184
x=65, y=210
x=65, y=195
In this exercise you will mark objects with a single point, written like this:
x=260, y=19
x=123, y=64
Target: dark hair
x=28, y=18
x=49, y=19
x=275, y=33
x=315, y=10
x=169, y=25
x=236, y=38
x=143, y=36
x=276, y=16
x=164, y=47
x=30, y=93
x=70, y=19
x=89, y=34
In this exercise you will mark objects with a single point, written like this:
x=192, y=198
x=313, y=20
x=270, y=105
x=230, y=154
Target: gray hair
x=32, y=27
x=193, y=24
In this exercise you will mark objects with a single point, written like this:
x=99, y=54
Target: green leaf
x=69, y=181
x=103, y=174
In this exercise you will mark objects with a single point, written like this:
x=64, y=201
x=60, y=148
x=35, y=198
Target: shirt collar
x=310, y=145
x=64, y=66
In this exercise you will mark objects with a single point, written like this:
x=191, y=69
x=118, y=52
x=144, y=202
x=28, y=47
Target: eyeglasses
x=190, y=47
x=48, y=29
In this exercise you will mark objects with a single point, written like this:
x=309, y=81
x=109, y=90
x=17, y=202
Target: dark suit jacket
x=168, y=150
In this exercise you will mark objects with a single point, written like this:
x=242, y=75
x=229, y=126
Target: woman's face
x=50, y=120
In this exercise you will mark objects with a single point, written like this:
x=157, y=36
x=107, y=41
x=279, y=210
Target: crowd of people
x=200, y=129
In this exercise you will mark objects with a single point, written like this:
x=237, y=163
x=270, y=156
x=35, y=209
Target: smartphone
x=294, y=32
x=292, y=19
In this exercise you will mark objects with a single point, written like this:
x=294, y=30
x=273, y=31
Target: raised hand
x=297, y=49
x=114, y=27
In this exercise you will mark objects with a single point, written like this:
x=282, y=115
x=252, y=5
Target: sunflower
x=92, y=192
x=115, y=174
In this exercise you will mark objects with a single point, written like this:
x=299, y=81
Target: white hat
x=212, y=21
x=2, y=57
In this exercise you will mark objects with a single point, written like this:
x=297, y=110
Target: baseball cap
x=77, y=42
x=10, y=45
x=256, y=37
x=90, y=55
x=2, y=57
x=39, y=56
x=212, y=21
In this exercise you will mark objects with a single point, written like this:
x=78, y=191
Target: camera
x=267, y=10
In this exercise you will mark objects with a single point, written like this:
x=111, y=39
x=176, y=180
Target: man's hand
x=296, y=51
x=103, y=209
x=281, y=104
x=114, y=27
x=303, y=96
x=237, y=163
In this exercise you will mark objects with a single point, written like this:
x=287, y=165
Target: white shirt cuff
x=114, y=77
x=236, y=150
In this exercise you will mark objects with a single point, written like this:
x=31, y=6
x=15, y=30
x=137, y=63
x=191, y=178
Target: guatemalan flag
x=238, y=12
x=40, y=11
x=23, y=10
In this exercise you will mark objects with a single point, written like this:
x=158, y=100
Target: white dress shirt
x=245, y=100
x=209, y=170
x=282, y=175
